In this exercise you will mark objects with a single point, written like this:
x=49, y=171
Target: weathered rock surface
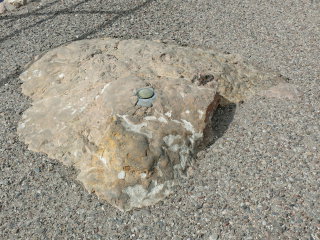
x=2, y=7
x=86, y=111
x=282, y=91
x=11, y=5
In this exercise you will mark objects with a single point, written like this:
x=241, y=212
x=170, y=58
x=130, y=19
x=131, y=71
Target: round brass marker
x=145, y=93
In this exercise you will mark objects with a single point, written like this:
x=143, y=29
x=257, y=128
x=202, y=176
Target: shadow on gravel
x=35, y=12
x=67, y=10
x=221, y=120
x=119, y=15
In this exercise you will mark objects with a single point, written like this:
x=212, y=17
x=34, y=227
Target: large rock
x=129, y=114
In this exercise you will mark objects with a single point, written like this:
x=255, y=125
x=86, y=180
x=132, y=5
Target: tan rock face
x=129, y=114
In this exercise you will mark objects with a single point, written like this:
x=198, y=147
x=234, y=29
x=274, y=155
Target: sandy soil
x=259, y=180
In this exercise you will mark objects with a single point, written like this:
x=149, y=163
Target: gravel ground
x=259, y=180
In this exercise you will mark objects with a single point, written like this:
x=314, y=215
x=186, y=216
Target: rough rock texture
x=11, y=5
x=85, y=111
x=282, y=91
x=2, y=7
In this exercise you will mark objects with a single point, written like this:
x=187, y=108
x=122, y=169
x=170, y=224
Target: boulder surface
x=130, y=114
x=11, y=5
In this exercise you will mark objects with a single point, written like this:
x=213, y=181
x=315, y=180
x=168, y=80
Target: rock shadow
x=220, y=121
